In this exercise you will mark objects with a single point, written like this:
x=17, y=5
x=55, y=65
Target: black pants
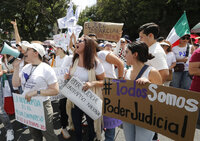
x=77, y=115
x=63, y=113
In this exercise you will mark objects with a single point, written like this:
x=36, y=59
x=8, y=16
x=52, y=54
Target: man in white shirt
x=148, y=34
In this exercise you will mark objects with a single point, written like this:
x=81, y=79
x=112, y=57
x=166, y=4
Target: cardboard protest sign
x=60, y=72
x=87, y=101
x=166, y=110
x=30, y=113
x=104, y=30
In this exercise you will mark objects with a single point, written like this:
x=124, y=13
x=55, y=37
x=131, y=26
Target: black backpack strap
x=187, y=51
x=141, y=71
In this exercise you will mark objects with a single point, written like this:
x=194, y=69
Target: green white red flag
x=180, y=29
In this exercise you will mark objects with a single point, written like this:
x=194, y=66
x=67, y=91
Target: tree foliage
x=134, y=13
x=35, y=18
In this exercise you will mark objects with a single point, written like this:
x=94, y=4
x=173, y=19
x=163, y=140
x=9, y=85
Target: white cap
x=122, y=39
x=114, y=44
x=25, y=45
x=39, y=48
x=108, y=43
x=63, y=46
x=165, y=44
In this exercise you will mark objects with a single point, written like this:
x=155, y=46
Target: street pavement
x=22, y=133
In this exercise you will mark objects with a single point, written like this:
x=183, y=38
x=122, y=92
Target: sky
x=84, y=3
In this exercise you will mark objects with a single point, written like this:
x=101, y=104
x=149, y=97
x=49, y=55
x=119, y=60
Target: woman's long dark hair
x=142, y=49
x=90, y=54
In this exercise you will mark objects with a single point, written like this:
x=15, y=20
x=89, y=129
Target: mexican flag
x=7, y=94
x=180, y=29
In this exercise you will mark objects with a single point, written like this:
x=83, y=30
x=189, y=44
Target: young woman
x=38, y=79
x=181, y=78
x=171, y=60
x=88, y=69
x=62, y=61
x=136, y=55
x=109, y=61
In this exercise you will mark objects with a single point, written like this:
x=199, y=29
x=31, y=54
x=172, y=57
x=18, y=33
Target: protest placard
x=60, y=72
x=61, y=40
x=30, y=113
x=166, y=110
x=87, y=101
x=104, y=30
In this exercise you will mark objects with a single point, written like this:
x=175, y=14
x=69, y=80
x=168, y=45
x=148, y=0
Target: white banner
x=30, y=113
x=87, y=101
x=60, y=72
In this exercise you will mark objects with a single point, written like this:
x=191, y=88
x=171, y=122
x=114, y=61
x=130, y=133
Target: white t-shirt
x=82, y=73
x=67, y=61
x=144, y=75
x=180, y=53
x=34, y=78
x=109, y=68
x=159, y=61
x=170, y=58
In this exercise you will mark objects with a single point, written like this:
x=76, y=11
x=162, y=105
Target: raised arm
x=17, y=37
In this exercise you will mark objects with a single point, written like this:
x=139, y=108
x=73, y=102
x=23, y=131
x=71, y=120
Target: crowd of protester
x=91, y=61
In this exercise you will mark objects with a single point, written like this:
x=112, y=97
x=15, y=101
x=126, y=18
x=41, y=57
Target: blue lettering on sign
x=131, y=91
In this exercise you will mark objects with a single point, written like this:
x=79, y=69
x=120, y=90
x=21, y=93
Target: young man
x=148, y=33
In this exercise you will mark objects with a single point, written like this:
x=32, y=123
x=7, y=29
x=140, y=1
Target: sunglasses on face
x=185, y=38
x=122, y=42
x=79, y=41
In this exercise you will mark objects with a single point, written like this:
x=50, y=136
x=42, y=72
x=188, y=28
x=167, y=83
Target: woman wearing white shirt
x=171, y=60
x=109, y=61
x=62, y=61
x=38, y=79
x=181, y=79
x=88, y=69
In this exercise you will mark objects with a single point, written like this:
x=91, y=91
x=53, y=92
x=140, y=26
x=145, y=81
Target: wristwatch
x=38, y=92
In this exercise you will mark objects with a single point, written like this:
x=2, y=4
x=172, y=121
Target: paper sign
x=61, y=40
x=30, y=113
x=104, y=30
x=60, y=72
x=170, y=111
x=87, y=101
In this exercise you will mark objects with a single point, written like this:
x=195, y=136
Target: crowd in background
x=91, y=60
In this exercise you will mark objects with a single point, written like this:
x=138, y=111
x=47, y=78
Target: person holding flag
x=182, y=51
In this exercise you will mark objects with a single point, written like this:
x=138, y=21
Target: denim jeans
x=181, y=80
x=110, y=134
x=77, y=115
x=3, y=115
x=136, y=133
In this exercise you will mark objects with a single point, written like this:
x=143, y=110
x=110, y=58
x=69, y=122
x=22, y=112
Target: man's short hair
x=150, y=28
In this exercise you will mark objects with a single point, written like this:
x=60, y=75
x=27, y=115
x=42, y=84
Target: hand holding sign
x=87, y=101
x=29, y=95
x=87, y=86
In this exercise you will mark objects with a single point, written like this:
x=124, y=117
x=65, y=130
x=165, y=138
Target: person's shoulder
x=45, y=65
x=170, y=53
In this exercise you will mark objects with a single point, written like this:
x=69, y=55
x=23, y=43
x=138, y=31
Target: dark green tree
x=134, y=13
x=35, y=18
